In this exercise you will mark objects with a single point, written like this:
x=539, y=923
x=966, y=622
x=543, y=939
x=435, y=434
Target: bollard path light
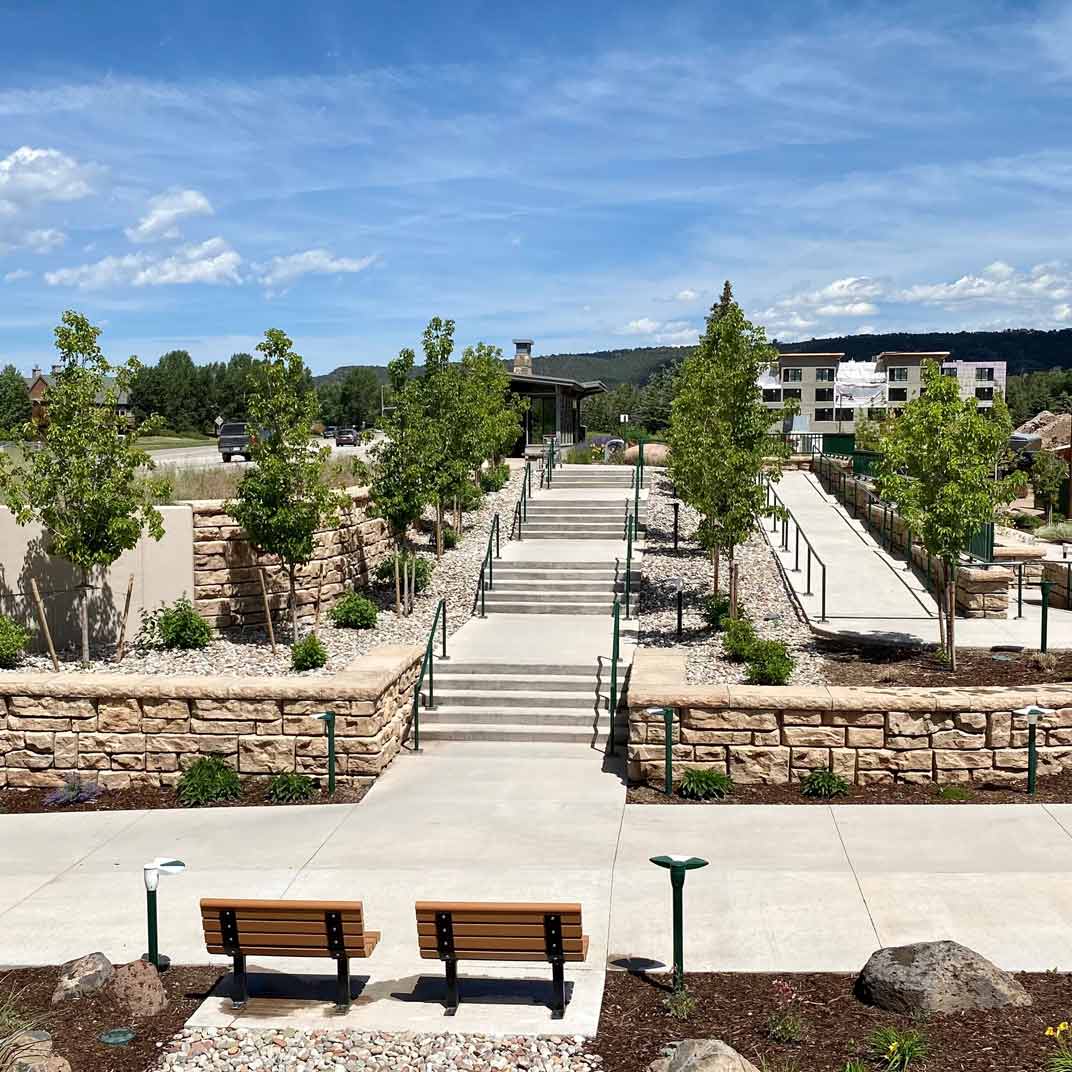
x=1031, y=713
x=151, y=873
x=677, y=866
x=668, y=744
x=677, y=586
x=328, y=718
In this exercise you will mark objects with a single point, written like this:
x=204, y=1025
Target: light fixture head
x=325, y=716
x=685, y=863
x=657, y=710
x=162, y=865
x=1032, y=712
x=676, y=584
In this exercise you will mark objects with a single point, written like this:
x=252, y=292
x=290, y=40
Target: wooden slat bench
x=333, y=929
x=483, y=930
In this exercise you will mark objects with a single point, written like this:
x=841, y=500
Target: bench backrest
x=487, y=930
x=284, y=928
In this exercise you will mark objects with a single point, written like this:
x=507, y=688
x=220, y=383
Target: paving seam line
x=327, y=837
x=1064, y=829
x=856, y=877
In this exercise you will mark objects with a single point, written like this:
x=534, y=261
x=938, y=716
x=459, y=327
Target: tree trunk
x=398, y=586
x=714, y=567
x=941, y=602
x=950, y=635
x=293, y=604
x=439, y=530
x=412, y=582
x=84, y=615
x=457, y=517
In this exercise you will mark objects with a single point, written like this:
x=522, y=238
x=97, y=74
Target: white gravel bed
x=290, y=1050
x=455, y=579
x=762, y=593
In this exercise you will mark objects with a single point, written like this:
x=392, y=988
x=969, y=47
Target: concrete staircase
x=500, y=702
x=558, y=587
x=595, y=476
x=563, y=519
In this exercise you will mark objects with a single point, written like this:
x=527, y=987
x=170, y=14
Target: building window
x=876, y=413
x=898, y=375
x=846, y=413
x=824, y=415
x=792, y=375
x=898, y=394
x=824, y=394
x=791, y=392
x=772, y=394
x=824, y=375
x=984, y=375
x=984, y=394
x=949, y=370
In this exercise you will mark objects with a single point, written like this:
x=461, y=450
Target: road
x=208, y=457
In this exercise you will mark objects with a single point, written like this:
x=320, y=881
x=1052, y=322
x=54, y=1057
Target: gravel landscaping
x=290, y=1050
x=249, y=654
x=762, y=591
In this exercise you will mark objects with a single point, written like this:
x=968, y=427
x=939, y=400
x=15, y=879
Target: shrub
x=954, y=793
x=854, y=1066
x=715, y=609
x=174, y=627
x=450, y=538
x=579, y=456
x=825, y=784
x=769, y=663
x=898, y=1050
x=1028, y=522
x=680, y=1004
x=495, y=478
x=385, y=571
x=738, y=639
x=786, y=1027
x=73, y=791
x=308, y=653
x=208, y=780
x=15, y=1022
x=700, y=784
x=1060, y=531
x=1061, y=1058
x=289, y=788
x=353, y=612
x=13, y=638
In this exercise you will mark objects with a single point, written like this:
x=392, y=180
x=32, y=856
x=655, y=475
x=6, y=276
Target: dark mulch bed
x=1052, y=789
x=634, y=1025
x=913, y=666
x=75, y=1026
x=136, y=798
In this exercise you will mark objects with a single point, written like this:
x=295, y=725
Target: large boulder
x=654, y=454
x=138, y=987
x=83, y=976
x=702, y=1055
x=936, y=977
x=30, y=1049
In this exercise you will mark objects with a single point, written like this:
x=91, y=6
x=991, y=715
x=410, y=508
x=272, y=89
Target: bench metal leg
x=240, y=994
x=453, y=996
x=342, y=992
x=558, y=986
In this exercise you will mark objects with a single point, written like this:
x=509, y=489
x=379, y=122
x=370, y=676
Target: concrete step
x=579, y=534
x=565, y=577
x=526, y=607
x=519, y=733
x=555, y=589
x=510, y=716
x=583, y=698
x=537, y=594
x=518, y=682
x=523, y=669
x=534, y=564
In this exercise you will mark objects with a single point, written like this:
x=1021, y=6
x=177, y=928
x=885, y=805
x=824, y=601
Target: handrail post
x=823, y=618
x=498, y=549
x=615, y=614
x=431, y=670
x=1020, y=590
x=628, y=562
x=443, y=604
x=808, y=592
x=796, y=548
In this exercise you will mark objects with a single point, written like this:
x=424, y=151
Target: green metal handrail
x=614, y=652
x=488, y=565
x=521, y=508
x=550, y=466
x=630, y=527
x=428, y=667
x=785, y=515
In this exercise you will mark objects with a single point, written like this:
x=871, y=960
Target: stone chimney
x=36, y=372
x=523, y=357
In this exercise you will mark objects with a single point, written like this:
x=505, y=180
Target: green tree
x=1048, y=472
x=938, y=466
x=85, y=481
x=15, y=405
x=497, y=410
x=720, y=441
x=284, y=497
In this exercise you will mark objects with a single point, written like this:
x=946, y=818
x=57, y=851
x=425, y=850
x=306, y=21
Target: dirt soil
x=138, y=798
x=76, y=1025
x=634, y=1025
x=871, y=666
x=1052, y=789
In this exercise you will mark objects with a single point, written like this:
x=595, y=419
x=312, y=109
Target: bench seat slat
x=363, y=948
x=500, y=930
x=570, y=945
x=275, y=926
x=504, y=954
x=498, y=916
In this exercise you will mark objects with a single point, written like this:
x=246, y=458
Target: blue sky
x=583, y=174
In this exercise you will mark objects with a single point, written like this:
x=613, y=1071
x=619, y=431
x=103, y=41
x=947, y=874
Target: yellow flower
x=1050, y=1033
x=893, y=1047
x=1063, y=1025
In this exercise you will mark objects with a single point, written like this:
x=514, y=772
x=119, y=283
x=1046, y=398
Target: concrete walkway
x=873, y=595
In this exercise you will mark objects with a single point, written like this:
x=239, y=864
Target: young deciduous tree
x=85, y=482
x=720, y=432
x=938, y=467
x=1048, y=472
x=284, y=497
x=14, y=403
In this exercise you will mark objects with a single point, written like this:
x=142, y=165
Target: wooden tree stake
x=267, y=608
x=44, y=624
x=123, y=627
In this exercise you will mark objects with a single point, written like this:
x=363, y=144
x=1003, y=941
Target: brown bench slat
x=269, y=916
x=503, y=954
x=310, y=941
x=215, y=904
x=497, y=916
x=501, y=930
x=538, y=908
x=569, y=945
x=275, y=926
x=363, y=948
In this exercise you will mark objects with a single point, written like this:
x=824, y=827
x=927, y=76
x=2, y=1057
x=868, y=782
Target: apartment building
x=833, y=393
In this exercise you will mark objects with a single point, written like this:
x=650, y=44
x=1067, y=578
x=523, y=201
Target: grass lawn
x=174, y=442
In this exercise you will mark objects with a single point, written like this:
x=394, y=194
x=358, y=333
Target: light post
x=328, y=718
x=1046, y=586
x=677, y=507
x=677, y=866
x=1031, y=713
x=151, y=873
x=668, y=745
x=677, y=586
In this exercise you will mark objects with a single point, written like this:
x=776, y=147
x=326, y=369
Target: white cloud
x=999, y=270
x=1063, y=313
x=669, y=332
x=282, y=271
x=686, y=295
x=16, y=275
x=44, y=240
x=212, y=262
x=31, y=176
x=847, y=309
x=997, y=284
x=644, y=326
x=165, y=211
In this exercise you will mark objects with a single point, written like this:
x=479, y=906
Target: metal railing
x=630, y=530
x=487, y=567
x=615, y=651
x=550, y=464
x=428, y=668
x=521, y=509
x=786, y=515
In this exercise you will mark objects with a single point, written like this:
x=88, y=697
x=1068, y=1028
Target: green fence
x=981, y=543
x=839, y=442
x=864, y=462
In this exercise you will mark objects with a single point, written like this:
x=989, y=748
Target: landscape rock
x=43, y=1064
x=702, y=1055
x=83, y=976
x=137, y=985
x=31, y=1049
x=936, y=977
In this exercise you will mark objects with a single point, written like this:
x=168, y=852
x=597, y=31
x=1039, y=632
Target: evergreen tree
x=15, y=408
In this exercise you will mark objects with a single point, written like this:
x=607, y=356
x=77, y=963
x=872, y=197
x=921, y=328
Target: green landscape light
x=677, y=866
x=668, y=745
x=151, y=873
x=328, y=718
x=1031, y=713
x=1046, y=586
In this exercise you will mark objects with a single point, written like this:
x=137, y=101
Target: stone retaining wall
x=869, y=736
x=122, y=729
x=1060, y=573
x=227, y=590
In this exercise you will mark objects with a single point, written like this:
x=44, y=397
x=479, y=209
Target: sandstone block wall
x=121, y=730
x=1060, y=573
x=867, y=735
x=227, y=589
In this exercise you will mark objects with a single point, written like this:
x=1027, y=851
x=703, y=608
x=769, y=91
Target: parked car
x=234, y=439
x=329, y=432
x=346, y=437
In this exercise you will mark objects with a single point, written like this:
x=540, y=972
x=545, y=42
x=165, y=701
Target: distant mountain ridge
x=1023, y=350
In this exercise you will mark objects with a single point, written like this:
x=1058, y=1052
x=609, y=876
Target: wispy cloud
x=213, y=262
x=165, y=211
x=31, y=176
x=283, y=271
x=17, y=275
